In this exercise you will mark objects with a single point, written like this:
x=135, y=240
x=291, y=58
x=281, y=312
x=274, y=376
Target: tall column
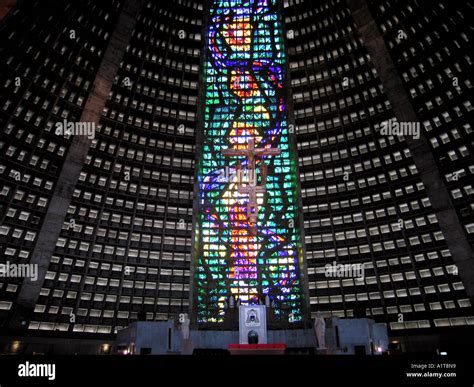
x=420, y=149
x=73, y=164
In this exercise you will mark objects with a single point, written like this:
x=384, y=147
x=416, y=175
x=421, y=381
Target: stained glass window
x=248, y=241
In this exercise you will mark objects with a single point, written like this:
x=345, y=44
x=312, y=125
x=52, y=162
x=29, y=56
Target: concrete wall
x=352, y=332
x=160, y=336
x=359, y=332
x=54, y=219
x=293, y=338
x=26, y=345
x=214, y=339
x=420, y=149
x=155, y=335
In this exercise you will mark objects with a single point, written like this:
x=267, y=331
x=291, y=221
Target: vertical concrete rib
x=420, y=149
x=73, y=164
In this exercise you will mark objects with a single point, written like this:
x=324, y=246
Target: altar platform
x=257, y=349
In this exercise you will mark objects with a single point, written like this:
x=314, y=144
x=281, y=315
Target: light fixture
x=15, y=346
